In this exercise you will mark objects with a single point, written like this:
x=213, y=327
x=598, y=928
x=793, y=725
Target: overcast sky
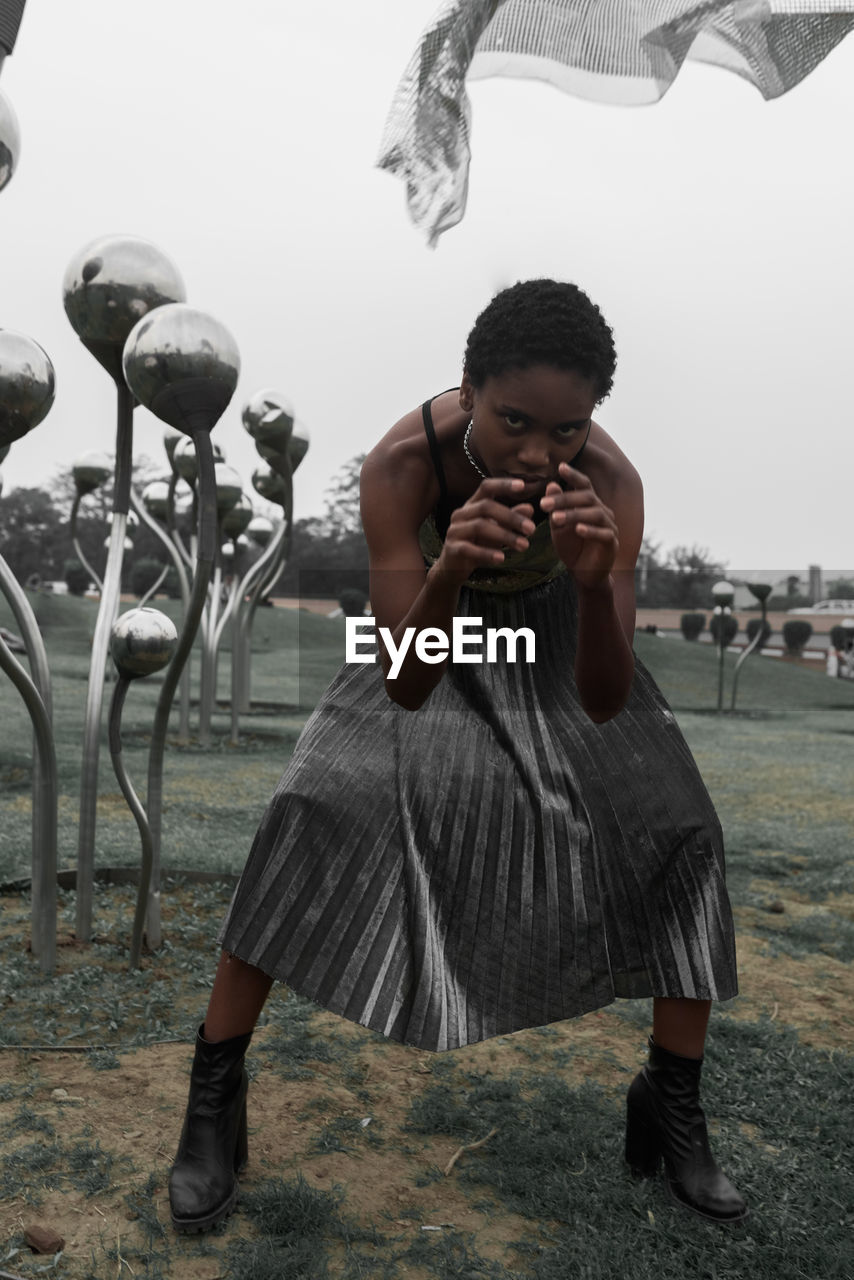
x=713, y=228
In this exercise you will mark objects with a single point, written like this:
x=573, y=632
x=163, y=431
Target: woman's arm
x=396, y=496
x=600, y=546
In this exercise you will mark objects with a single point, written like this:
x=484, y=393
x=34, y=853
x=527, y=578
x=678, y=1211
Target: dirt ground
x=398, y=1185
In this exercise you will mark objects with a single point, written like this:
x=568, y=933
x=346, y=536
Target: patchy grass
x=350, y=1135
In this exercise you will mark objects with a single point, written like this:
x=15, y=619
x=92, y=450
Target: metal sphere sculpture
x=268, y=416
x=155, y=497
x=238, y=518
x=298, y=444
x=91, y=470
x=229, y=488
x=269, y=484
x=142, y=642
x=10, y=141
x=109, y=285
x=27, y=385
x=260, y=530
x=183, y=365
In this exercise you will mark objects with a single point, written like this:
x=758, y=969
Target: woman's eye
x=566, y=432
x=513, y=421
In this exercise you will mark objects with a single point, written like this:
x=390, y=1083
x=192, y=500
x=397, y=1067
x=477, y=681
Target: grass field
x=351, y=1135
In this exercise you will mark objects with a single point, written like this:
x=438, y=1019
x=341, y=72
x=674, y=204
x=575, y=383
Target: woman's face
x=527, y=421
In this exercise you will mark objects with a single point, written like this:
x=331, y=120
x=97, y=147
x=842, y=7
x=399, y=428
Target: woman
x=461, y=849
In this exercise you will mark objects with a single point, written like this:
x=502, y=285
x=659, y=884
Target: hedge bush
x=692, y=624
x=730, y=627
x=796, y=632
x=753, y=626
x=352, y=602
x=77, y=578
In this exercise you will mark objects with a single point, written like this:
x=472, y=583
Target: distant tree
x=693, y=573
x=840, y=589
x=681, y=578
x=33, y=534
x=329, y=553
x=342, y=515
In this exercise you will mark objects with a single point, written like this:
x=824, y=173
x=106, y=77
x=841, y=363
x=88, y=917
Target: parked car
x=827, y=606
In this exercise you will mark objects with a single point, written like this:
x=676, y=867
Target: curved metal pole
x=207, y=683
x=239, y=674
x=283, y=468
x=152, y=590
x=207, y=533
x=172, y=526
x=184, y=587
x=230, y=604
x=256, y=594
x=754, y=644
x=135, y=806
x=76, y=544
x=107, y=610
x=43, y=895
x=44, y=910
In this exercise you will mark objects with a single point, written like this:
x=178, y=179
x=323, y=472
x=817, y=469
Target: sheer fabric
x=618, y=51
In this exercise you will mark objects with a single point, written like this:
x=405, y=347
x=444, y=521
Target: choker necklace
x=468, y=451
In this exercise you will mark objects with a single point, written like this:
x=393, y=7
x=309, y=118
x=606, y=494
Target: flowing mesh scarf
x=621, y=51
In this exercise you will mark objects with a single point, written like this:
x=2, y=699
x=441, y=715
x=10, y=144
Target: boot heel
x=241, y=1148
x=643, y=1146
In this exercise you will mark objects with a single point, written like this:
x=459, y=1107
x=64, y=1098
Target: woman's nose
x=533, y=453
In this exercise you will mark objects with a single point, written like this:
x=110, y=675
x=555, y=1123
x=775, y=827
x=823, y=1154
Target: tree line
x=329, y=554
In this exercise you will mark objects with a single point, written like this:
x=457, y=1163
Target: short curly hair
x=542, y=322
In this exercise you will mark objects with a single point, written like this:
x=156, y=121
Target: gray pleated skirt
x=493, y=861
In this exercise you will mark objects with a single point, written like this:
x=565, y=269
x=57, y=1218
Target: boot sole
x=700, y=1213
x=195, y=1226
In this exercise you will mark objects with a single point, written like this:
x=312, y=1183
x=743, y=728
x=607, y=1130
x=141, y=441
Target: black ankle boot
x=665, y=1121
x=213, y=1147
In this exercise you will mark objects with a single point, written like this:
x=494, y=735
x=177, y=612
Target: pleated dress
x=494, y=860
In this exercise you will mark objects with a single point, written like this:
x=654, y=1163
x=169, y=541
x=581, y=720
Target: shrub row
x=796, y=631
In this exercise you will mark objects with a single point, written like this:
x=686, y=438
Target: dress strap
x=443, y=510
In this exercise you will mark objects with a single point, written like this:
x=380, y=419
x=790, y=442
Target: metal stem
x=754, y=644
x=207, y=687
x=255, y=577
x=107, y=611
x=207, y=532
x=283, y=468
x=167, y=537
x=135, y=806
x=171, y=525
x=44, y=893
x=721, y=617
x=76, y=544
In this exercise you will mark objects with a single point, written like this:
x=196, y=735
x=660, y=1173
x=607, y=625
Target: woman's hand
x=484, y=527
x=584, y=531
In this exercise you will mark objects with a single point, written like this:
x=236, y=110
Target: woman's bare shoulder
x=398, y=480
